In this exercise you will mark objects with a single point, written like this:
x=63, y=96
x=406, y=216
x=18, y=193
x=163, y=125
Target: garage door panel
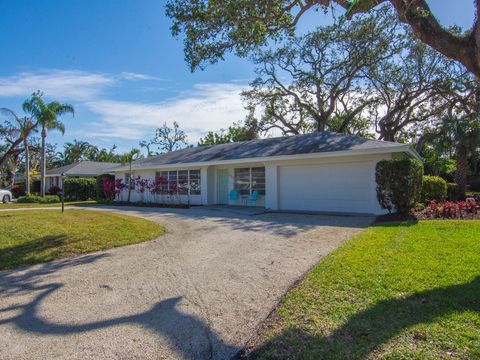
x=327, y=187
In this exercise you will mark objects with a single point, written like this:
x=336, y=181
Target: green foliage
x=475, y=183
x=399, y=184
x=101, y=195
x=47, y=199
x=80, y=189
x=237, y=132
x=453, y=194
x=434, y=188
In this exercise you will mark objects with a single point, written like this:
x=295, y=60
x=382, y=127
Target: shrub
x=54, y=190
x=105, y=188
x=48, y=199
x=399, y=184
x=452, y=192
x=434, y=188
x=18, y=190
x=475, y=183
x=79, y=189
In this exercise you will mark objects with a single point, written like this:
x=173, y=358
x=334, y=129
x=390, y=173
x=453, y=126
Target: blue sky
x=117, y=63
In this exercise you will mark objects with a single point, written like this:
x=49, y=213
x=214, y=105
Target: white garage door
x=327, y=187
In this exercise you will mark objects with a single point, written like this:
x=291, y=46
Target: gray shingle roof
x=83, y=168
x=278, y=146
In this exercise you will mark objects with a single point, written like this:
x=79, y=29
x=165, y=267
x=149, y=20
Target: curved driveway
x=198, y=292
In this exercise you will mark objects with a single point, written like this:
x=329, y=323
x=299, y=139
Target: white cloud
x=136, y=76
x=60, y=84
x=64, y=84
x=208, y=106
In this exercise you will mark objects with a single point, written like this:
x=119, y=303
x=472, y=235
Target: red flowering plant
x=119, y=187
x=141, y=186
x=452, y=209
x=173, y=192
x=109, y=188
x=157, y=187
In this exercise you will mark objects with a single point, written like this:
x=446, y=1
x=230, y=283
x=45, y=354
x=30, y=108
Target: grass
x=397, y=291
x=30, y=237
x=34, y=205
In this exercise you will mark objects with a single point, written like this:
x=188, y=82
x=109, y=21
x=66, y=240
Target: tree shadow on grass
x=35, y=251
x=364, y=332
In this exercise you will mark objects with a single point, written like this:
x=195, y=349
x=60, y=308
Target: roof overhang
x=401, y=148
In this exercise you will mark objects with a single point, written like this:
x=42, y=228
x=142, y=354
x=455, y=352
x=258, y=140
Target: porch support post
x=271, y=186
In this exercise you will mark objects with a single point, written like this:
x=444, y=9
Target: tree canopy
x=213, y=28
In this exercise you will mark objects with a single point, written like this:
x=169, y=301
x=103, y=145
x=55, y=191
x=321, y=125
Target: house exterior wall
x=273, y=197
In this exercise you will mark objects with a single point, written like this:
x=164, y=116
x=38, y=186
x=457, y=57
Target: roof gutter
x=330, y=154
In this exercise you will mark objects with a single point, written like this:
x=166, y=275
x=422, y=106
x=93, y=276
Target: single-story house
x=80, y=169
x=321, y=172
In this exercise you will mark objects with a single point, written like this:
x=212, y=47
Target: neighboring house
x=79, y=169
x=324, y=172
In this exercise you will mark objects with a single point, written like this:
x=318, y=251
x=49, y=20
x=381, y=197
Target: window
x=247, y=180
x=242, y=181
x=194, y=182
x=129, y=181
x=163, y=176
x=258, y=180
x=183, y=182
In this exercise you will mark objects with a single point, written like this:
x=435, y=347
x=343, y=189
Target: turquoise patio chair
x=254, y=197
x=233, y=196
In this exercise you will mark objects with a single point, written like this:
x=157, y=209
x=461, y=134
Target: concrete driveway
x=198, y=292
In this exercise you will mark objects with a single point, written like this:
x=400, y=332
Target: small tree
x=129, y=158
x=106, y=188
x=399, y=184
x=119, y=187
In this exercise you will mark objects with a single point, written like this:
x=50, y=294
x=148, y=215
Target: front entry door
x=222, y=180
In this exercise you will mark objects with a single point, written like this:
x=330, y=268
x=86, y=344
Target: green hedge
x=80, y=189
x=452, y=192
x=48, y=199
x=399, y=184
x=475, y=183
x=434, y=188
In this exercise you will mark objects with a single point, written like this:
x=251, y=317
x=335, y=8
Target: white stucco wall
x=273, y=197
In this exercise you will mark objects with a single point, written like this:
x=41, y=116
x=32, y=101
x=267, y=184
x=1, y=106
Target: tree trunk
x=43, y=162
x=461, y=172
x=27, y=167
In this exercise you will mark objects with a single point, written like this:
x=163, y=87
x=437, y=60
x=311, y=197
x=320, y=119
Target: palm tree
x=23, y=128
x=464, y=135
x=47, y=116
x=129, y=158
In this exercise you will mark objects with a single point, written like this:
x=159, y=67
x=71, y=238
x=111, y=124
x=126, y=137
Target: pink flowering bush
x=141, y=186
x=108, y=186
x=119, y=187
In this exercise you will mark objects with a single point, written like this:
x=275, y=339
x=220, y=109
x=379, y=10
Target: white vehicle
x=5, y=196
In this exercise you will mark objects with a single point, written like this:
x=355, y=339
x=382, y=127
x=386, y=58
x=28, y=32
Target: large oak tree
x=214, y=27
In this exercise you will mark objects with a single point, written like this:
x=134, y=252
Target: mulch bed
x=421, y=215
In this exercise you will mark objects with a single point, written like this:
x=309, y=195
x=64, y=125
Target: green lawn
x=29, y=237
x=34, y=205
x=397, y=291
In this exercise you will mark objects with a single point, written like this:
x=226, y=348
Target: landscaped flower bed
x=451, y=210
x=464, y=210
